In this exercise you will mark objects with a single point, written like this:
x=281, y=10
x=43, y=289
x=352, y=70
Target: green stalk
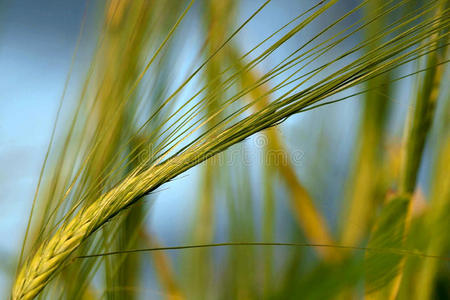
x=366, y=175
x=416, y=133
x=438, y=241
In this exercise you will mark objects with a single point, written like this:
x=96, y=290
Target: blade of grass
x=415, y=137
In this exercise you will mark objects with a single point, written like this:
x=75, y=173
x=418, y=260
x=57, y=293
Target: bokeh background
x=37, y=42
